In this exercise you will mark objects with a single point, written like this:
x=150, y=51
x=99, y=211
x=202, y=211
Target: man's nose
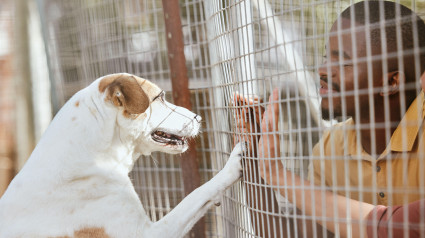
x=326, y=69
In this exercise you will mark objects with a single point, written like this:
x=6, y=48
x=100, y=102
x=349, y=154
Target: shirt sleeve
x=391, y=220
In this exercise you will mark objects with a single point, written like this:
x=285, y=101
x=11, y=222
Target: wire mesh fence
x=359, y=69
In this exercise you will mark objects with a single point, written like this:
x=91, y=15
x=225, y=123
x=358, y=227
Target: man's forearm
x=335, y=206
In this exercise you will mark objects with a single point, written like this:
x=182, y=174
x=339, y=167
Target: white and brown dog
x=76, y=184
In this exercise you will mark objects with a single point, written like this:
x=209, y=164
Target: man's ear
x=392, y=82
x=124, y=91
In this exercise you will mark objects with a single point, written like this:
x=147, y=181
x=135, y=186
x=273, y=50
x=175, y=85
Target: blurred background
x=50, y=49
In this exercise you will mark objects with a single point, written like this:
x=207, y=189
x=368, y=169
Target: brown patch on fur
x=125, y=91
x=92, y=232
x=73, y=118
x=77, y=103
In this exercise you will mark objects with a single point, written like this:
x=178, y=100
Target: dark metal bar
x=181, y=97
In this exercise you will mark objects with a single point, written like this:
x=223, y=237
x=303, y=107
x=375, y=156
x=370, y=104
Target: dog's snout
x=198, y=118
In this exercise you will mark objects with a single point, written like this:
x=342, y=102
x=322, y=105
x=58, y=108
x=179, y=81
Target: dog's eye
x=160, y=96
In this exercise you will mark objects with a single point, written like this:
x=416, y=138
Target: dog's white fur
x=76, y=184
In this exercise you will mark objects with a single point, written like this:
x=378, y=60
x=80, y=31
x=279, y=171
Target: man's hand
x=268, y=145
x=248, y=119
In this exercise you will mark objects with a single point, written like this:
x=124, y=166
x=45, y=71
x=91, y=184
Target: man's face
x=344, y=73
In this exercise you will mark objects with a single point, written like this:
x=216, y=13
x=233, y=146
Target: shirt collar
x=405, y=134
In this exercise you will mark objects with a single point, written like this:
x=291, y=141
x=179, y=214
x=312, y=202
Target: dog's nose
x=198, y=118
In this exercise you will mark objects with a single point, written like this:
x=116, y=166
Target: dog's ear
x=125, y=91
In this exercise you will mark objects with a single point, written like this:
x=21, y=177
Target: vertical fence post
x=25, y=137
x=7, y=104
x=181, y=97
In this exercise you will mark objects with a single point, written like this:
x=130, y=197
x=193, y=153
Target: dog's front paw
x=233, y=167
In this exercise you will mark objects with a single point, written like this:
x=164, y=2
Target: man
x=370, y=77
x=374, y=56
x=369, y=220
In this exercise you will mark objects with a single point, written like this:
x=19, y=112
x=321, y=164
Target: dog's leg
x=181, y=219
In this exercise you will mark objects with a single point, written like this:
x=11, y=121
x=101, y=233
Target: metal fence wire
x=344, y=145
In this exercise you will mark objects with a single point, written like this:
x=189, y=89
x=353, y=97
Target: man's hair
x=395, y=17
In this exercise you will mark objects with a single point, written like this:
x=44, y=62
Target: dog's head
x=145, y=117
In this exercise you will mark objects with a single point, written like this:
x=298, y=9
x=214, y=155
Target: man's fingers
x=276, y=106
x=250, y=104
x=245, y=100
x=273, y=110
x=271, y=116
